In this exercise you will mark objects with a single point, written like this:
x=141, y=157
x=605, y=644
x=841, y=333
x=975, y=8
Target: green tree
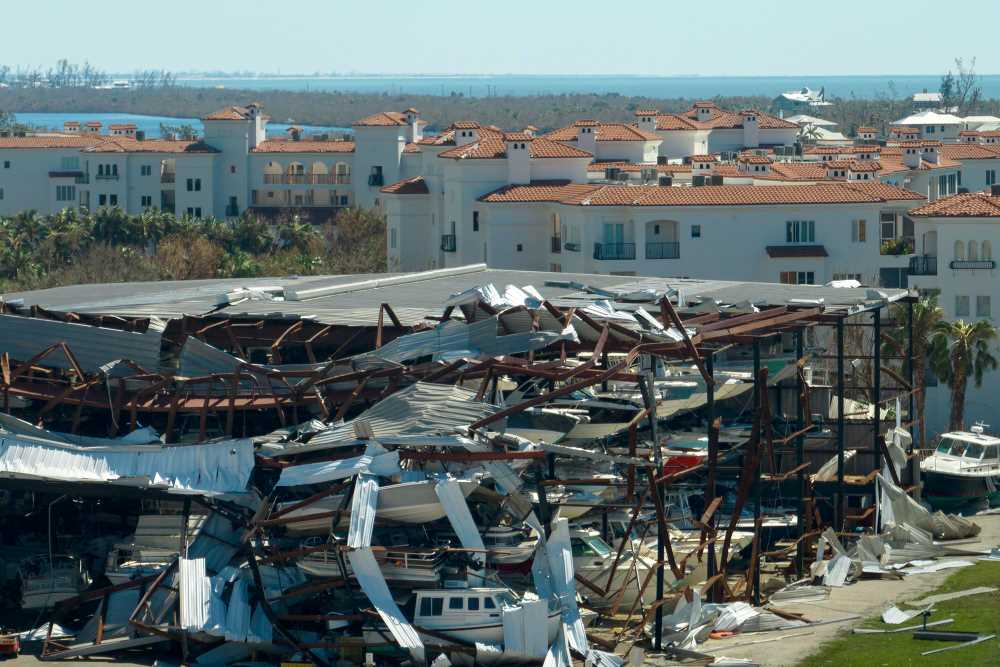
x=927, y=314
x=959, y=350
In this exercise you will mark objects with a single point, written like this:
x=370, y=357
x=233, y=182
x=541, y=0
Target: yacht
x=471, y=614
x=402, y=566
x=45, y=582
x=964, y=469
x=509, y=548
x=154, y=545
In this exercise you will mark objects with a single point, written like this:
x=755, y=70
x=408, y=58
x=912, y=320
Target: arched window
x=959, y=250
x=343, y=172
x=973, y=251
x=986, y=250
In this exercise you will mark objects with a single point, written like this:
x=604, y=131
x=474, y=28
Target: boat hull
x=488, y=633
x=947, y=491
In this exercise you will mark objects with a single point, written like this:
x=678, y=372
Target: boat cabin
x=969, y=449
x=448, y=608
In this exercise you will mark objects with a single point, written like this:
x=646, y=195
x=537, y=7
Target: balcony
x=306, y=179
x=107, y=177
x=612, y=251
x=82, y=179
x=663, y=250
x=900, y=246
x=972, y=264
x=448, y=243
x=571, y=247
x=168, y=177
x=555, y=244
x=923, y=265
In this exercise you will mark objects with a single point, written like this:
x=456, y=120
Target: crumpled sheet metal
x=560, y=558
x=372, y=582
x=363, y=505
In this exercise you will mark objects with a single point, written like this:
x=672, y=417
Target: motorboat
x=963, y=470
x=509, y=548
x=46, y=582
x=406, y=502
x=402, y=566
x=594, y=560
x=154, y=545
x=541, y=424
x=471, y=614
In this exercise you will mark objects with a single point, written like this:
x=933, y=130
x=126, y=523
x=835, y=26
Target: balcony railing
x=556, y=244
x=448, y=243
x=972, y=264
x=923, y=265
x=614, y=251
x=168, y=177
x=306, y=179
x=571, y=247
x=663, y=250
x=107, y=177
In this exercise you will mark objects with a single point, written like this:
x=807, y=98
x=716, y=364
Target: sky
x=654, y=37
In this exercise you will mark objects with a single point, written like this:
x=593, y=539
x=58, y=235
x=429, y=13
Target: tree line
x=65, y=74
x=109, y=245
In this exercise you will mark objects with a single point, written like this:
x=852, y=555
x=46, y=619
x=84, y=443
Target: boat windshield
x=598, y=545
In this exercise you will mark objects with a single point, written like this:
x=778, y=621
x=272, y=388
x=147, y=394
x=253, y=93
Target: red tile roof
x=647, y=112
x=718, y=119
x=867, y=130
x=702, y=158
x=970, y=151
x=518, y=136
x=303, y=146
x=123, y=126
x=637, y=167
x=229, y=113
x=465, y=125
x=605, y=132
x=754, y=159
x=721, y=195
x=50, y=141
x=127, y=145
x=854, y=165
x=490, y=146
x=382, y=119
x=410, y=186
x=965, y=205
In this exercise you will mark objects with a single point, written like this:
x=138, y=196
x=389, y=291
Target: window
x=1, y=193
x=431, y=606
x=959, y=250
x=194, y=211
x=488, y=603
x=343, y=200
x=942, y=185
x=887, y=222
x=146, y=170
x=983, y=307
x=475, y=221
x=581, y=548
x=859, y=232
x=102, y=200
x=456, y=603
x=65, y=192
x=392, y=238
x=146, y=201
x=896, y=278
x=991, y=176
x=847, y=276
x=6, y=164
x=930, y=129
x=973, y=251
x=656, y=230
x=232, y=169
x=473, y=604
x=520, y=247
x=985, y=249
x=800, y=231
x=113, y=200
x=961, y=306
x=555, y=268
x=797, y=278
x=696, y=231
x=194, y=185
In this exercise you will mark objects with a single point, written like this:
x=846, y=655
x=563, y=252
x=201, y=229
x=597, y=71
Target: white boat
x=470, y=614
x=593, y=559
x=154, y=545
x=963, y=470
x=403, y=567
x=407, y=502
x=509, y=547
x=44, y=584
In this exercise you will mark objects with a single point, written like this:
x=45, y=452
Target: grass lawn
x=977, y=613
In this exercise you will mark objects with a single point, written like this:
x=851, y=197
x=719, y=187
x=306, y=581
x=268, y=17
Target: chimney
x=257, y=121
x=702, y=165
x=586, y=135
x=751, y=128
x=466, y=132
x=912, y=153
x=703, y=110
x=968, y=136
x=518, y=146
x=413, y=120
x=931, y=151
x=646, y=119
x=866, y=133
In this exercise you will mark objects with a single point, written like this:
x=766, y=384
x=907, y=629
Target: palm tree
x=958, y=350
x=927, y=314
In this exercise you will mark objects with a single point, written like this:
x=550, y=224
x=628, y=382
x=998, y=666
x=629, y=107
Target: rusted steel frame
x=71, y=389
x=727, y=322
x=667, y=311
x=748, y=476
x=484, y=385
x=767, y=425
x=275, y=353
x=710, y=489
x=144, y=600
x=661, y=518
x=754, y=556
x=392, y=315
x=758, y=325
x=347, y=343
x=310, y=354
x=556, y=393
x=269, y=612
x=446, y=370
x=208, y=327
x=346, y=405
x=26, y=366
x=625, y=539
x=589, y=584
x=134, y=403
x=355, y=375
x=5, y=371
x=788, y=473
x=378, y=329
x=420, y=455
x=313, y=587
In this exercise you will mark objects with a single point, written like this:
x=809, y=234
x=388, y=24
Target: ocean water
x=649, y=86
x=148, y=124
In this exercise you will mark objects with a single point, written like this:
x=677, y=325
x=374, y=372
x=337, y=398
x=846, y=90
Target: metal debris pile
x=512, y=478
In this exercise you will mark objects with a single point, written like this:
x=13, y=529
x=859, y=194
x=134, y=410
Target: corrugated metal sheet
x=420, y=409
x=559, y=654
x=140, y=436
x=238, y=612
x=195, y=593
x=453, y=500
x=369, y=576
x=24, y=337
x=326, y=471
x=217, y=542
x=564, y=584
x=363, y=505
x=212, y=468
x=525, y=628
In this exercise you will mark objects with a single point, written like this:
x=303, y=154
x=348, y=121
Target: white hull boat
x=407, y=502
x=42, y=586
x=470, y=614
x=401, y=567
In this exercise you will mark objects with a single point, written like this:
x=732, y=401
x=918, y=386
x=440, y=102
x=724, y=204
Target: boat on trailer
x=964, y=470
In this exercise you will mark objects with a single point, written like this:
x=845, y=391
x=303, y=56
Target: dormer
x=72, y=126
x=867, y=133
x=466, y=132
x=912, y=154
x=867, y=152
x=753, y=165
x=931, y=151
x=836, y=169
x=968, y=137
x=92, y=127
x=646, y=119
x=518, y=149
x=586, y=135
x=989, y=137
x=702, y=165
x=703, y=110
